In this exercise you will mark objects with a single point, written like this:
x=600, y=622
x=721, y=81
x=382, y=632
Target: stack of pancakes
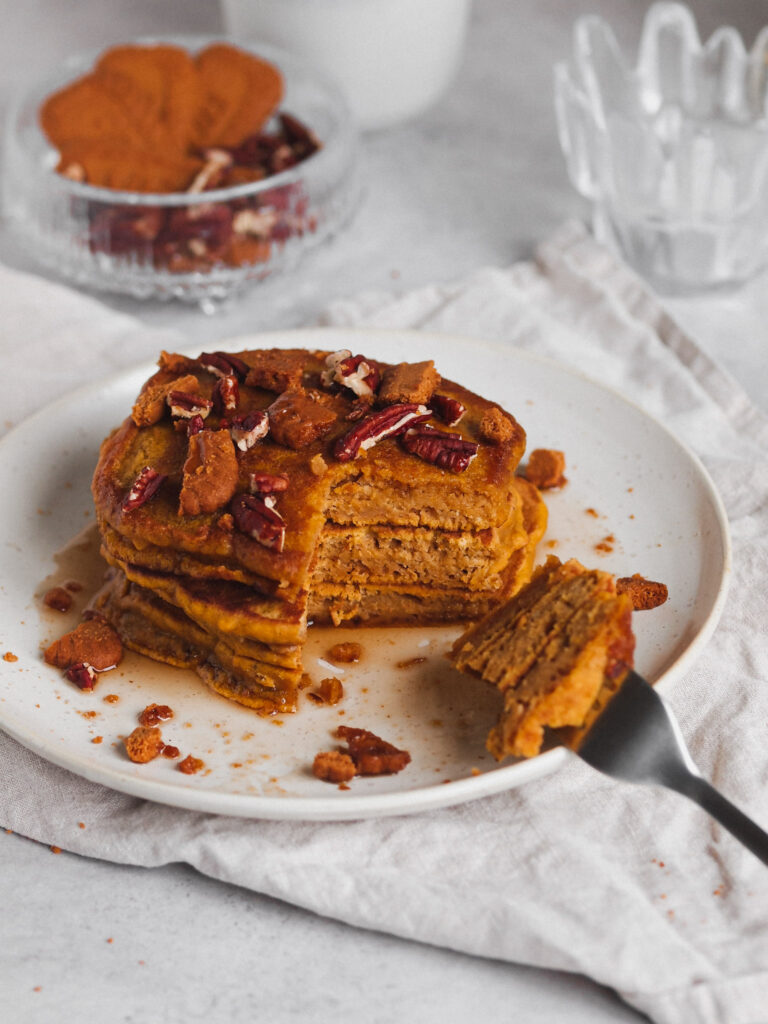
x=379, y=538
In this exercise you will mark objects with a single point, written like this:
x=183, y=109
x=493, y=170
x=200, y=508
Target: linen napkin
x=631, y=886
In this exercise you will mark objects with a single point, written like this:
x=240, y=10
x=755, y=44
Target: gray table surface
x=477, y=181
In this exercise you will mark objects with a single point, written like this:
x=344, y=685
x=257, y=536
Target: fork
x=636, y=738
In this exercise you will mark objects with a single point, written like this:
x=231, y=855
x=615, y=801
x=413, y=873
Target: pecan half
x=449, y=410
x=223, y=364
x=82, y=675
x=448, y=451
x=256, y=519
x=268, y=483
x=225, y=395
x=185, y=405
x=142, y=489
x=374, y=428
x=362, y=376
x=249, y=428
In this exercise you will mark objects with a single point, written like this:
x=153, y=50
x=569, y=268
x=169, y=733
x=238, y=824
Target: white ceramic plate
x=642, y=487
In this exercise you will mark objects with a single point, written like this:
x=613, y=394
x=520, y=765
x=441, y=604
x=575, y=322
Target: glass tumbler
x=673, y=151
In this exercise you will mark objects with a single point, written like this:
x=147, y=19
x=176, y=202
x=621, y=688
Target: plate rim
x=368, y=805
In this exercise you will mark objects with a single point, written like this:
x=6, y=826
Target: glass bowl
x=671, y=149
x=202, y=247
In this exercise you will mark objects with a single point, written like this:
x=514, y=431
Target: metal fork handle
x=727, y=814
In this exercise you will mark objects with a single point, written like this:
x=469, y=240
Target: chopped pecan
x=371, y=754
x=210, y=473
x=224, y=364
x=254, y=223
x=496, y=427
x=276, y=369
x=225, y=395
x=296, y=419
x=268, y=483
x=58, y=598
x=318, y=465
x=409, y=382
x=82, y=675
x=211, y=174
x=443, y=449
x=256, y=519
x=346, y=652
x=146, y=484
x=374, y=428
x=248, y=428
x=93, y=642
x=302, y=139
x=151, y=403
x=186, y=404
x=449, y=410
x=644, y=593
x=360, y=375
x=333, y=766
x=330, y=691
x=194, y=425
x=545, y=468
x=154, y=713
x=144, y=744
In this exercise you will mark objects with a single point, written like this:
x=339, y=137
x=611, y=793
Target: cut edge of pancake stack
x=251, y=493
x=555, y=652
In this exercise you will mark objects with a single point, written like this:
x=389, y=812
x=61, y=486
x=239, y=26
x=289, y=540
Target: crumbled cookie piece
x=296, y=419
x=93, y=642
x=409, y=383
x=276, y=369
x=150, y=406
x=643, y=593
x=144, y=744
x=496, y=427
x=545, y=468
x=190, y=765
x=175, y=363
x=333, y=766
x=210, y=473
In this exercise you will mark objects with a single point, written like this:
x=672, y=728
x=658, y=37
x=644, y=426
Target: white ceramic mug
x=392, y=58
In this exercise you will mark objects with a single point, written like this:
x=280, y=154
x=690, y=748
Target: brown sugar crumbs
x=10, y=656
x=190, y=765
x=111, y=698
x=605, y=546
